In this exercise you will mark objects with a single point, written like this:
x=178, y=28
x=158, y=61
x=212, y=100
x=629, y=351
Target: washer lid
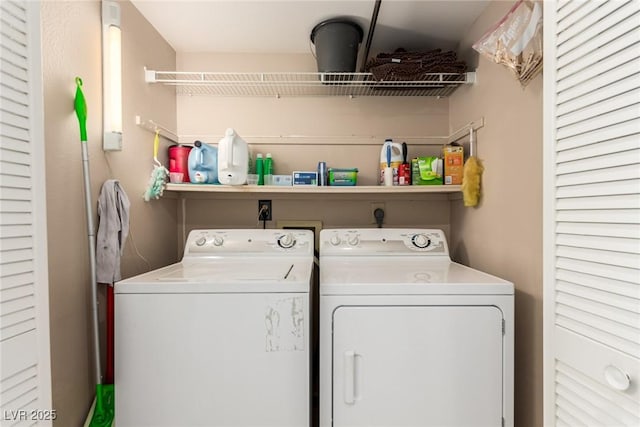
x=224, y=275
x=406, y=276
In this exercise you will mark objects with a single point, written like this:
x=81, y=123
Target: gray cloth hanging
x=113, y=229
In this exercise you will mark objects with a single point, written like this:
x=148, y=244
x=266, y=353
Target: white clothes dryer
x=408, y=337
x=221, y=338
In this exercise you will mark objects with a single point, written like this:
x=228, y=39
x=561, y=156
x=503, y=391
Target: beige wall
x=71, y=41
x=503, y=235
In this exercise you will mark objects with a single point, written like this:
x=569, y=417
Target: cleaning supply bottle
x=396, y=160
x=233, y=159
x=260, y=168
x=268, y=169
x=203, y=164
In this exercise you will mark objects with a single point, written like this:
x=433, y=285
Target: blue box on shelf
x=305, y=178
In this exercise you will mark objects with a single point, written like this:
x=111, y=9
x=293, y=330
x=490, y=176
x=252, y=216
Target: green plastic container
x=343, y=177
x=426, y=171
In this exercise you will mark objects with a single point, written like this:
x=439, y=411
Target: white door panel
x=417, y=366
x=591, y=219
x=25, y=366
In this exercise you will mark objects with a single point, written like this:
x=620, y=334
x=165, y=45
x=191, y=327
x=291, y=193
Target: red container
x=179, y=160
x=404, y=174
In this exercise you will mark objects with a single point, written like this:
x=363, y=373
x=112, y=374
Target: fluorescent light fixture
x=111, y=76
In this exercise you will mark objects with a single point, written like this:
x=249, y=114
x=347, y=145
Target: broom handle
x=92, y=260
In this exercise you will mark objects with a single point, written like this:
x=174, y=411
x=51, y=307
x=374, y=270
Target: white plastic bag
x=516, y=41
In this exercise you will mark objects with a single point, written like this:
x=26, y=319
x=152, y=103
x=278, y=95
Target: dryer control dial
x=218, y=240
x=201, y=241
x=420, y=241
x=286, y=241
x=353, y=240
x=335, y=240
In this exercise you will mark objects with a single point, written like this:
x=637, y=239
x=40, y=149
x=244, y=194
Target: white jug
x=395, y=160
x=233, y=159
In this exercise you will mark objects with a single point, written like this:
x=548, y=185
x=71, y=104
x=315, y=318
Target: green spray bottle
x=260, y=168
x=268, y=170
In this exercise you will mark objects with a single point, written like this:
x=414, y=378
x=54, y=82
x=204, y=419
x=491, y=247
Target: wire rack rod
x=464, y=131
x=346, y=140
x=152, y=126
x=359, y=140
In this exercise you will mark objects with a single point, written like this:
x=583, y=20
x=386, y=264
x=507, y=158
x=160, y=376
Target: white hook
x=472, y=143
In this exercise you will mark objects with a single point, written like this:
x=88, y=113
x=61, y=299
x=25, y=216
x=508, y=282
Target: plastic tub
x=343, y=177
x=252, y=179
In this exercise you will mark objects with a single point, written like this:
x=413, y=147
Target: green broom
x=102, y=410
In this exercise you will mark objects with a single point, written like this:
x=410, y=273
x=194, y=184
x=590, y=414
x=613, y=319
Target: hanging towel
x=113, y=228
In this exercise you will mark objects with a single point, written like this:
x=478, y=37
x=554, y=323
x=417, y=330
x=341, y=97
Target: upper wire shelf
x=306, y=84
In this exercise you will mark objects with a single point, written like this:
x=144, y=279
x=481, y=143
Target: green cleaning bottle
x=260, y=168
x=268, y=170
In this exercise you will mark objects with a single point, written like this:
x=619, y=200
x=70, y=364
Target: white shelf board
x=358, y=189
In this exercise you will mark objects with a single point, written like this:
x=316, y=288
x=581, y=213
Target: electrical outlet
x=374, y=206
x=264, y=210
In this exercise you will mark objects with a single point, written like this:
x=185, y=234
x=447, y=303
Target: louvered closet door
x=25, y=384
x=592, y=213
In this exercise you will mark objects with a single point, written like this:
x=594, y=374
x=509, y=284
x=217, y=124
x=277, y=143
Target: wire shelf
x=306, y=84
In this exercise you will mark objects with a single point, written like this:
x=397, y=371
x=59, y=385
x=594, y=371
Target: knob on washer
x=335, y=240
x=286, y=241
x=353, y=240
x=218, y=240
x=420, y=241
x=201, y=241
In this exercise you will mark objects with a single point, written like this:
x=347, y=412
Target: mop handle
x=80, y=105
x=92, y=261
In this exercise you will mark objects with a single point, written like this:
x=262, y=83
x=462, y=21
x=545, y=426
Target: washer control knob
x=353, y=240
x=201, y=241
x=420, y=241
x=218, y=240
x=286, y=241
x=335, y=240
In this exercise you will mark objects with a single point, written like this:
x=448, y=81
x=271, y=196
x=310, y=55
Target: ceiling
x=270, y=26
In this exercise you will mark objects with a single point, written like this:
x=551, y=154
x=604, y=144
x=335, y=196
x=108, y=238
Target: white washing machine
x=409, y=338
x=221, y=338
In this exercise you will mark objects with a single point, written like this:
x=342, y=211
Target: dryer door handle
x=349, y=377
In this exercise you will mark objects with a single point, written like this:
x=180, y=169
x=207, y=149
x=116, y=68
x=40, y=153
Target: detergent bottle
x=233, y=159
x=260, y=168
x=203, y=164
x=268, y=169
x=394, y=158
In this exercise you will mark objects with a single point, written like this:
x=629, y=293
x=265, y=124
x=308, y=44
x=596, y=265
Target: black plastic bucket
x=337, y=42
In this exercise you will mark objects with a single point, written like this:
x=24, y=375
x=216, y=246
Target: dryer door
x=417, y=366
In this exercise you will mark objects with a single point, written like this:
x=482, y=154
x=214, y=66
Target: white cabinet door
x=25, y=367
x=592, y=213
x=417, y=366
